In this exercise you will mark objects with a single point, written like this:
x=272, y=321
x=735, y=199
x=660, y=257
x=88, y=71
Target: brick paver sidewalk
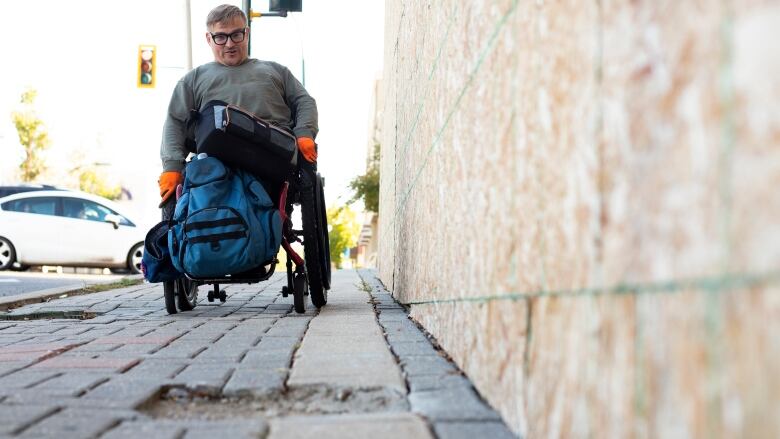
x=116, y=365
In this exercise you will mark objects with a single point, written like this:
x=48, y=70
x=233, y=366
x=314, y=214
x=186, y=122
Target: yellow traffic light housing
x=147, y=66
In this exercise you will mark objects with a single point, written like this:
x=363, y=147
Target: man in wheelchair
x=236, y=86
x=264, y=88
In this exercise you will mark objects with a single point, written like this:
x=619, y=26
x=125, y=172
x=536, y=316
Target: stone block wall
x=579, y=201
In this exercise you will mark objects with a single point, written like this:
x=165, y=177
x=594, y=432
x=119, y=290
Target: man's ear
x=208, y=40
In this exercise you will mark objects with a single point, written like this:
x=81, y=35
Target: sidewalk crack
x=298, y=345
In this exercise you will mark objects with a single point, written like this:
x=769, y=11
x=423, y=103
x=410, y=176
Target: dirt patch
x=180, y=403
x=49, y=315
x=11, y=302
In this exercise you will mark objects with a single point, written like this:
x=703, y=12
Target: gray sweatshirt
x=264, y=88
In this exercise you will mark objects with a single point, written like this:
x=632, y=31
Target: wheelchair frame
x=312, y=273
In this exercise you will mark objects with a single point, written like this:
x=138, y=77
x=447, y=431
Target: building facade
x=579, y=201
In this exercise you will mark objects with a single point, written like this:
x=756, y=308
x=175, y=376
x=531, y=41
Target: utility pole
x=279, y=8
x=246, y=5
x=188, y=31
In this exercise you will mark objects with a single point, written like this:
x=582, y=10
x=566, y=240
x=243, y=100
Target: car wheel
x=134, y=258
x=7, y=254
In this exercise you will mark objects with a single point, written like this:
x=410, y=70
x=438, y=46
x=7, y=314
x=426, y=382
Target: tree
x=90, y=175
x=92, y=182
x=32, y=136
x=366, y=186
x=344, y=230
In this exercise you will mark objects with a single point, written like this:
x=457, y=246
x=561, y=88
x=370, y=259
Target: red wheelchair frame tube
x=283, y=215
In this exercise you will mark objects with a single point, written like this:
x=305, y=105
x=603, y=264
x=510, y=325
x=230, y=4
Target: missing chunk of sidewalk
x=181, y=403
x=50, y=315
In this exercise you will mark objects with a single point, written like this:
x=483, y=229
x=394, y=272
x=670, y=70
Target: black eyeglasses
x=220, y=39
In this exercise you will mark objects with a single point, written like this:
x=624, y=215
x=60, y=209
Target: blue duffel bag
x=156, y=264
x=224, y=222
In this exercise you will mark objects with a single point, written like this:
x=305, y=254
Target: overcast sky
x=81, y=57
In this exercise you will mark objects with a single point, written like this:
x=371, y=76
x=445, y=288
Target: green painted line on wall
x=714, y=284
x=483, y=55
x=398, y=32
x=423, y=100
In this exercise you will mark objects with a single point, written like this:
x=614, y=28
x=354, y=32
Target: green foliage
x=32, y=136
x=366, y=186
x=344, y=231
x=92, y=182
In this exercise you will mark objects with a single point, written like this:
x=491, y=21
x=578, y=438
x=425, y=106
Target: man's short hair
x=224, y=13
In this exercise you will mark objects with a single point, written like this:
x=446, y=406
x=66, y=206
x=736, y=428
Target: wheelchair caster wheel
x=221, y=295
x=285, y=291
x=301, y=286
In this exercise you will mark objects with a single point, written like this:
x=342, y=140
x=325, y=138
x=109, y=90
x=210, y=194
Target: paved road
x=249, y=367
x=12, y=283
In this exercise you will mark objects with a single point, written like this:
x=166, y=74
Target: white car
x=67, y=228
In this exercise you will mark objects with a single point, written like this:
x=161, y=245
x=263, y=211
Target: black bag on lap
x=240, y=139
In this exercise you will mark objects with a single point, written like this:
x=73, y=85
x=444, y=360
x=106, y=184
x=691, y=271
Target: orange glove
x=308, y=148
x=168, y=182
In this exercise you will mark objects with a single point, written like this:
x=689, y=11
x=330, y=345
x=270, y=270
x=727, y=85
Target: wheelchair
x=309, y=275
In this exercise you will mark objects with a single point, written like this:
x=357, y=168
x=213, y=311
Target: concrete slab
x=344, y=345
x=379, y=426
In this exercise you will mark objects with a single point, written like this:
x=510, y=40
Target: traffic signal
x=147, y=58
x=286, y=5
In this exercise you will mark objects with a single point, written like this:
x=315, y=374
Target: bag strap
x=189, y=130
x=241, y=110
x=256, y=118
x=192, y=118
x=259, y=132
x=211, y=224
x=218, y=237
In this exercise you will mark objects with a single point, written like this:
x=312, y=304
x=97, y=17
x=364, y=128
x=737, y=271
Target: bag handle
x=268, y=124
x=241, y=110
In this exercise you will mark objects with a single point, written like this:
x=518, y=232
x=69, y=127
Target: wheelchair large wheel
x=186, y=294
x=319, y=188
x=169, y=292
x=182, y=292
x=315, y=241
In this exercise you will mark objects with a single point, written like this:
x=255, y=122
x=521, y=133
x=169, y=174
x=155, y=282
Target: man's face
x=230, y=53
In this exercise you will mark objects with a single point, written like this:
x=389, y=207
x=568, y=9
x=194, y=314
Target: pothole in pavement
x=181, y=403
x=49, y=315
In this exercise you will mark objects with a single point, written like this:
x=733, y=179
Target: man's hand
x=168, y=182
x=308, y=148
